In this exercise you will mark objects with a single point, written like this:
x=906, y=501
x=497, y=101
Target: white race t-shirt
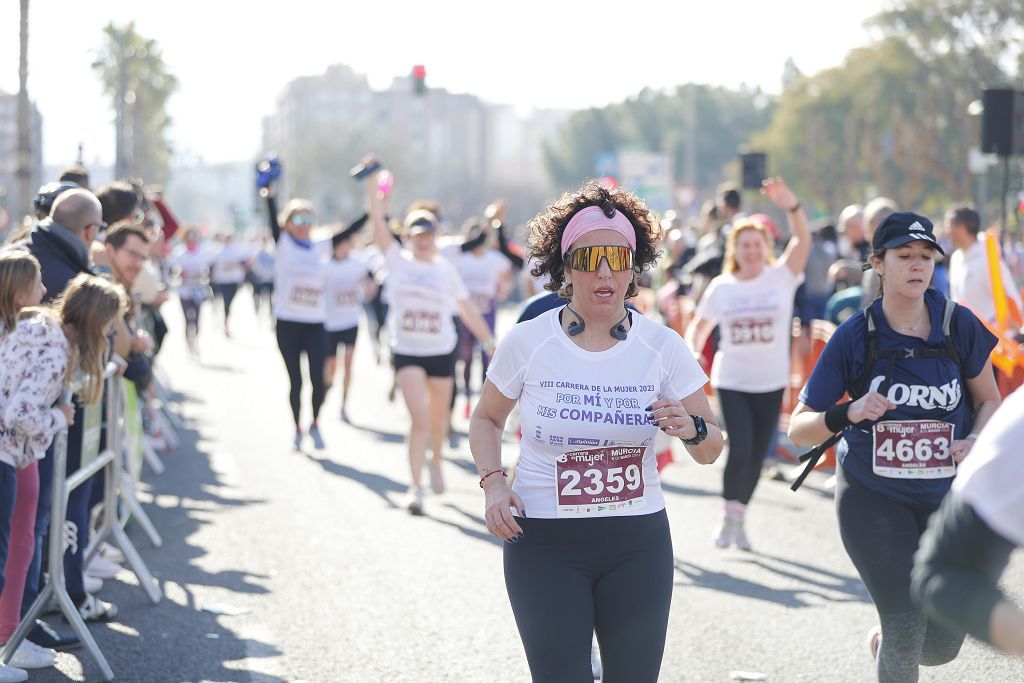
x=421, y=304
x=344, y=295
x=229, y=265
x=755, y=319
x=970, y=280
x=990, y=478
x=573, y=401
x=192, y=266
x=299, y=280
x=482, y=276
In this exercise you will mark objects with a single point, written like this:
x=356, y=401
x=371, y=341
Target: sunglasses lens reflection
x=588, y=259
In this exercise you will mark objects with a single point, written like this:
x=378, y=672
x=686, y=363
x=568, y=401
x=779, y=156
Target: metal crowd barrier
x=109, y=461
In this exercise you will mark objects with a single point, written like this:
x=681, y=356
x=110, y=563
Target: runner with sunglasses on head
x=588, y=543
x=752, y=304
x=916, y=368
x=425, y=293
x=300, y=271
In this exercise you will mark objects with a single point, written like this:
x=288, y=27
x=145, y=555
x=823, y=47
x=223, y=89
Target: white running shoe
x=94, y=609
x=724, y=535
x=102, y=569
x=10, y=674
x=93, y=585
x=31, y=656
x=112, y=553
x=436, y=478
x=414, y=500
x=739, y=535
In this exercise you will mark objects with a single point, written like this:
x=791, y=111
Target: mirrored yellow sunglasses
x=588, y=259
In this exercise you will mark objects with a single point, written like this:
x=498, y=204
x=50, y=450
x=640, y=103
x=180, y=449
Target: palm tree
x=23, y=174
x=133, y=74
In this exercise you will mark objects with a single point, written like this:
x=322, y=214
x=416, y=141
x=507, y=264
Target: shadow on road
x=176, y=640
x=387, y=437
x=812, y=591
x=377, y=483
x=480, y=533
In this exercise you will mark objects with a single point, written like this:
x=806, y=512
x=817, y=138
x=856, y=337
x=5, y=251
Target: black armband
x=836, y=417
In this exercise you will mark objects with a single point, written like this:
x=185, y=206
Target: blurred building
x=9, y=147
x=453, y=147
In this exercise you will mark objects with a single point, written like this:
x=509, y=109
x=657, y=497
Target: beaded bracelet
x=501, y=472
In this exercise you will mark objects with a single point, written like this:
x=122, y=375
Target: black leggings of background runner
x=567, y=578
x=881, y=537
x=750, y=420
x=294, y=339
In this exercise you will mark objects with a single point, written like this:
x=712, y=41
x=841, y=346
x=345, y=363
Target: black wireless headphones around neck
x=618, y=331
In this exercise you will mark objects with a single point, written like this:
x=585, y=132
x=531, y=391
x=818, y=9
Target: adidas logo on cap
x=916, y=225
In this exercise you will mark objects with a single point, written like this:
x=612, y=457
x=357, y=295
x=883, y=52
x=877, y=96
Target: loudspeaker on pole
x=754, y=167
x=1002, y=122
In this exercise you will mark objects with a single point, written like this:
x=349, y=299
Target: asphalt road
x=339, y=583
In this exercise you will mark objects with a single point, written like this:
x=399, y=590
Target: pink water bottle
x=385, y=182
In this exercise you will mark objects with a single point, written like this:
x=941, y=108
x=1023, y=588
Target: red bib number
x=913, y=449
x=306, y=297
x=425, y=322
x=752, y=331
x=598, y=482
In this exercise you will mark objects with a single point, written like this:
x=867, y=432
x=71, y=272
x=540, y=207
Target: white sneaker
x=436, y=478
x=93, y=585
x=10, y=674
x=112, y=553
x=414, y=500
x=102, y=569
x=94, y=609
x=31, y=656
x=724, y=535
x=740, y=535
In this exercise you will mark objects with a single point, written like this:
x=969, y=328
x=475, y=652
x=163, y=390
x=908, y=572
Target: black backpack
x=945, y=350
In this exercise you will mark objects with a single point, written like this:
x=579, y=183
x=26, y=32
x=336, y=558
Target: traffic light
x=419, y=79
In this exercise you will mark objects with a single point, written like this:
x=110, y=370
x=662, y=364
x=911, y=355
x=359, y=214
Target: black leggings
x=567, y=578
x=881, y=537
x=294, y=339
x=191, y=308
x=226, y=291
x=750, y=420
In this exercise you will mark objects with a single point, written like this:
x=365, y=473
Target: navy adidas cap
x=904, y=227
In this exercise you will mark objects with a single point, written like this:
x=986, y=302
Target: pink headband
x=593, y=218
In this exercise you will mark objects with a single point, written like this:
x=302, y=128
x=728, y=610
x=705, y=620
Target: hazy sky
x=232, y=58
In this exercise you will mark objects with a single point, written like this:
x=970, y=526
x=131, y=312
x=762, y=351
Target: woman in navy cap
x=914, y=367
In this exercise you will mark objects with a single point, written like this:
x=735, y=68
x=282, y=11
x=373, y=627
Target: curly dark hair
x=545, y=238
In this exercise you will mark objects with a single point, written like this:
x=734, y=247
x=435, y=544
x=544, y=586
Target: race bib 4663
x=913, y=449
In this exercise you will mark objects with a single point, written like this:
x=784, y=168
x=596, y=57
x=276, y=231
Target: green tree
x=656, y=121
x=135, y=77
x=893, y=118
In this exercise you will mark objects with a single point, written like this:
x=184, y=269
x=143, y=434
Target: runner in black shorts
x=424, y=294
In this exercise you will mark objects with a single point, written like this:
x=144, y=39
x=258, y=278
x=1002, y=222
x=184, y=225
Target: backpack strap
x=947, y=336
x=872, y=354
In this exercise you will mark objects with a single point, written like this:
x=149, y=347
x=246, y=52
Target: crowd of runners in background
x=727, y=294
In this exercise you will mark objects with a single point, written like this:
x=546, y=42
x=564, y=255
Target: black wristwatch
x=702, y=431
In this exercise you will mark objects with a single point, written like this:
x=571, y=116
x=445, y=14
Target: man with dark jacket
x=60, y=243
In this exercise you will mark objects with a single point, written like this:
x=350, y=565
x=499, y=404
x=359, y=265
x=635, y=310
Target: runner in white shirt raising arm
x=425, y=293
